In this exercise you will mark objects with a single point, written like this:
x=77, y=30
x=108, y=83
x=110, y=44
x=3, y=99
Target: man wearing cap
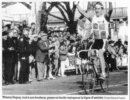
x=42, y=56
x=23, y=56
x=8, y=57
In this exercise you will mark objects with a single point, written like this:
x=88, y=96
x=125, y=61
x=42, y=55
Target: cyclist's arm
x=89, y=13
x=109, y=13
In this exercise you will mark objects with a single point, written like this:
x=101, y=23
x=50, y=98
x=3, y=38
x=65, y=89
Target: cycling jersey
x=99, y=31
x=99, y=27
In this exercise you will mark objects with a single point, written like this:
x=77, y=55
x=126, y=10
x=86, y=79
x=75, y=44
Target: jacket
x=42, y=50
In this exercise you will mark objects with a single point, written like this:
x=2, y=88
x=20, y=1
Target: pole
x=109, y=22
x=35, y=16
x=116, y=21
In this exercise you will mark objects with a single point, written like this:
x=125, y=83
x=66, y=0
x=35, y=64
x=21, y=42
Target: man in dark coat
x=42, y=56
x=4, y=56
x=15, y=41
x=11, y=56
x=23, y=57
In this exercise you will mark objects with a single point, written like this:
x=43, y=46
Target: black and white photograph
x=65, y=48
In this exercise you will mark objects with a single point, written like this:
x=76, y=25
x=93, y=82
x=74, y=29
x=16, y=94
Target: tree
x=68, y=14
x=44, y=15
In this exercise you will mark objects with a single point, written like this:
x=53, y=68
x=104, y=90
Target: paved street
x=70, y=85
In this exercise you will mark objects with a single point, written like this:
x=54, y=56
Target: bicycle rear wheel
x=88, y=80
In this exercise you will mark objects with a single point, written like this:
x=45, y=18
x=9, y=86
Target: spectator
x=5, y=57
x=51, y=60
x=56, y=54
x=42, y=56
x=24, y=25
x=32, y=52
x=125, y=47
x=32, y=29
x=11, y=56
x=23, y=56
x=63, y=58
x=15, y=40
x=71, y=55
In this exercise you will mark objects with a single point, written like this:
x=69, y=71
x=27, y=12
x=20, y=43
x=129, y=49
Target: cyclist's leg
x=95, y=62
x=102, y=62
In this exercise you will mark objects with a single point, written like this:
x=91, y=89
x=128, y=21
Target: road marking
x=110, y=86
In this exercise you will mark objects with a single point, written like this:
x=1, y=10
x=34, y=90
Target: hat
x=4, y=33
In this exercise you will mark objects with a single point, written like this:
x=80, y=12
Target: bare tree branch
x=68, y=14
x=74, y=9
x=56, y=17
x=62, y=7
x=27, y=5
x=67, y=9
x=6, y=4
x=62, y=12
x=51, y=6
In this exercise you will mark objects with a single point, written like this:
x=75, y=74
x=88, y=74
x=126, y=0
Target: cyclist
x=99, y=23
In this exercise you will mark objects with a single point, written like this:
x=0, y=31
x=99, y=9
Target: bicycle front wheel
x=88, y=80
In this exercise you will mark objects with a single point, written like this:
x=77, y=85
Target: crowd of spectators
x=29, y=56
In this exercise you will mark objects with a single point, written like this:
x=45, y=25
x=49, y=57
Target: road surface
x=70, y=85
